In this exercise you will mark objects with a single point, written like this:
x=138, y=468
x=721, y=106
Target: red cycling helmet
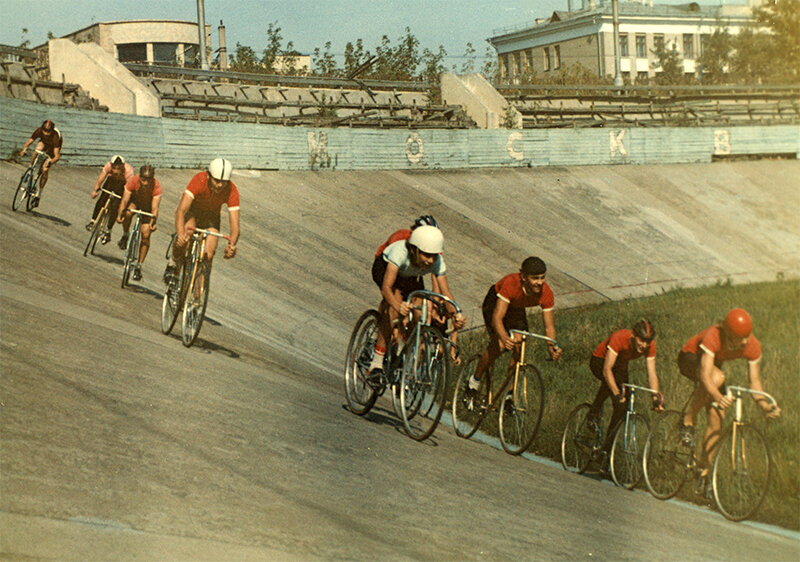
x=739, y=322
x=48, y=126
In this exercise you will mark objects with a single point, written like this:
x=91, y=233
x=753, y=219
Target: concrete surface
x=119, y=443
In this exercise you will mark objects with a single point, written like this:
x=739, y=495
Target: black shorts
x=689, y=365
x=203, y=218
x=596, y=366
x=515, y=318
x=406, y=285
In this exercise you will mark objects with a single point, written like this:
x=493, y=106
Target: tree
x=714, y=60
x=273, y=49
x=468, y=66
x=354, y=56
x=245, y=60
x=670, y=63
x=781, y=19
x=325, y=63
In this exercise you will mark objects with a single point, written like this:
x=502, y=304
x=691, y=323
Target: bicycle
x=415, y=372
x=520, y=410
x=99, y=226
x=29, y=183
x=188, y=291
x=740, y=472
x=131, y=259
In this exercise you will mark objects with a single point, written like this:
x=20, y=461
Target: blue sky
x=307, y=23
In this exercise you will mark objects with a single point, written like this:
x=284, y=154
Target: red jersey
x=509, y=289
x=142, y=196
x=621, y=343
x=51, y=140
x=204, y=200
x=710, y=341
x=403, y=234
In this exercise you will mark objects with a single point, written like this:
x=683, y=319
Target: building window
x=641, y=46
x=623, y=44
x=557, y=57
x=517, y=64
x=165, y=53
x=703, y=40
x=132, y=52
x=688, y=46
x=658, y=41
x=546, y=59
x=641, y=76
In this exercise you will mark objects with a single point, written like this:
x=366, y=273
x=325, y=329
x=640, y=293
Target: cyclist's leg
x=711, y=438
x=45, y=166
x=145, y=245
x=178, y=251
x=603, y=392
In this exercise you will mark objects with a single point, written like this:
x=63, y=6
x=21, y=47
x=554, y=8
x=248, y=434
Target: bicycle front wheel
x=666, y=461
x=359, y=394
x=171, y=303
x=194, y=305
x=578, y=441
x=128, y=259
x=94, y=234
x=470, y=407
x=627, y=451
x=741, y=472
x=22, y=193
x=423, y=383
x=521, y=411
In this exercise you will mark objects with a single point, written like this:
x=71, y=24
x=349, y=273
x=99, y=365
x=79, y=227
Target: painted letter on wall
x=415, y=148
x=722, y=141
x=318, y=150
x=515, y=154
x=616, y=143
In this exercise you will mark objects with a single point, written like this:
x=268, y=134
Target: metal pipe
x=223, y=48
x=201, y=30
x=615, y=17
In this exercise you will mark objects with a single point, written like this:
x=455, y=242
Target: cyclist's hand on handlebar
x=555, y=352
x=230, y=250
x=724, y=402
x=459, y=321
x=405, y=308
x=183, y=237
x=120, y=218
x=618, y=398
x=153, y=225
x=94, y=193
x=658, y=402
x=772, y=412
x=508, y=343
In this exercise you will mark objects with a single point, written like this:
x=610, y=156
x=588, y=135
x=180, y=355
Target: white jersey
x=397, y=253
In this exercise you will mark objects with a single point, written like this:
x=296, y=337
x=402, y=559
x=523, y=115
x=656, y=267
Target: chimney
x=223, y=48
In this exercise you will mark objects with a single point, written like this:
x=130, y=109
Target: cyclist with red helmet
x=113, y=177
x=609, y=364
x=50, y=142
x=700, y=360
x=142, y=192
x=398, y=271
x=200, y=207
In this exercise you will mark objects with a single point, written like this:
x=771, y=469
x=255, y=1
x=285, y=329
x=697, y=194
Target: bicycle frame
x=134, y=242
x=521, y=361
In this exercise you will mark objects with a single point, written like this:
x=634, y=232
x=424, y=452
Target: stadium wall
x=90, y=137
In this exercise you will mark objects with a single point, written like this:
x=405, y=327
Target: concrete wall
x=89, y=65
x=90, y=137
x=479, y=99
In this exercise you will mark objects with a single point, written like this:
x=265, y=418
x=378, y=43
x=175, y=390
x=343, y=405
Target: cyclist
x=504, y=309
x=200, y=207
x=142, y=192
x=700, y=360
x=50, y=142
x=113, y=177
x=609, y=364
x=398, y=271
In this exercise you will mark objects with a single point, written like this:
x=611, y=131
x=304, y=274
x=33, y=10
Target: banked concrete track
x=118, y=443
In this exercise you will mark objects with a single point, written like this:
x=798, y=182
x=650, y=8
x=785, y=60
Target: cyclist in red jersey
x=609, y=364
x=200, y=207
x=504, y=309
x=700, y=360
x=115, y=173
x=50, y=142
x=142, y=192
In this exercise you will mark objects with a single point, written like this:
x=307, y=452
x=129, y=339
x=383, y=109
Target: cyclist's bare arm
x=180, y=219
x=608, y=374
x=230, y=249
x=504, y=338
x=707, y=372
x=754, y=381
x=25, y=146
x=99, y=183
x=126, y=198
x=548, y=318
x=389, y=295
x=57, y=156
x=444, y=289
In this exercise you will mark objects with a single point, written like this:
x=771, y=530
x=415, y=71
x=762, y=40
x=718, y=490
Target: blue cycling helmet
x=424, y=220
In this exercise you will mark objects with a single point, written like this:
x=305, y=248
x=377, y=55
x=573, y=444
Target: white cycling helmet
x=220, y=169
x=427, y=238
x=117, y=160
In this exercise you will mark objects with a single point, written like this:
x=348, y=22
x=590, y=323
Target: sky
x=309, y=24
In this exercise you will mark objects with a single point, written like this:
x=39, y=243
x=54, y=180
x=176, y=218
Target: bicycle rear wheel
x=470, y=408
x=22, y=193
x=627, y=451
x=172, y=301
x=424, y=382
x=360, y=396
x=666, y=462
x=31, y=191
x=741, y=472
x=578, y=441
x=97, y=229
x=131, y=257
x=521, y=414
x=194, y=304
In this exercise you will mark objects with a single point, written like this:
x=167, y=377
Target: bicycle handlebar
x=738, y=390
x=644, y=388
x=111, y=193
x=204, y=232
x=140, y=212
x=525, y=334
x=430, y=295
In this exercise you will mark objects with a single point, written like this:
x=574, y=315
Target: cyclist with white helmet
x=200, y=207
x=504, y=309
x=113, y=177
x=700, y=360
x=398, y=271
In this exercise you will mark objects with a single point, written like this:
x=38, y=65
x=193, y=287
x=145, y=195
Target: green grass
x=677, y=315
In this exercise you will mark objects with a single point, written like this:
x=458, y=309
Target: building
x=586, y=36
x=162, y=42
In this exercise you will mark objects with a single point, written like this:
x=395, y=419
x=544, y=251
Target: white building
x=586, y=36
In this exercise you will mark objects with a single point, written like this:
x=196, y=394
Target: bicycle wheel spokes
x=578, y=441
x=666, y=463
x=469, y=408
x=627, y=451
x=741, y=472
x=171, y=303
x=127, y=260
x=423, y=382
x=22, y=193
x=194, y=306
x=521, y=411
x=360, y=396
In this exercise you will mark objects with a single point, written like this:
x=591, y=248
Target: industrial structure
x=585, y=36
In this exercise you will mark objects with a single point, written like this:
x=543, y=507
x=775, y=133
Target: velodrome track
x=119, y=443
